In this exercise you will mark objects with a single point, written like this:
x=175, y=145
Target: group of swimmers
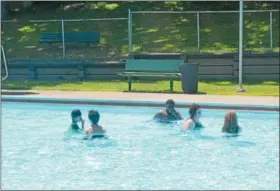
x=94, y=130
x=168, y=115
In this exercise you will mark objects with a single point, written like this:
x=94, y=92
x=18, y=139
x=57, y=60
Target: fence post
x=240, y=67
x=63, y=37
x=129, y=31
x=32, y=72
x=198, y=31
x=81, y=71
x=270, y=30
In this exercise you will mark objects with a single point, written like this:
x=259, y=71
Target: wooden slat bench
x=70, y=37
x=155, y=68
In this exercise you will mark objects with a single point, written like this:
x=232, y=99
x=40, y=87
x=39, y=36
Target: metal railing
x=5, y=65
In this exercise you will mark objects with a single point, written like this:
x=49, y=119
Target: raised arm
x=83, y=123
x=179, y=115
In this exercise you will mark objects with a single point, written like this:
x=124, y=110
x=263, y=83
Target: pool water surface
x=38, y=153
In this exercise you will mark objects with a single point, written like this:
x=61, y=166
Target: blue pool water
x=140, y=154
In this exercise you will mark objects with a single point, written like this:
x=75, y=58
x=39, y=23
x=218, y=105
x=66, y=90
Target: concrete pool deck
x=139, y=99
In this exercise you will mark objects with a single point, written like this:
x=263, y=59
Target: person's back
x=231, y=123
x=193, y=121
x=95, y=130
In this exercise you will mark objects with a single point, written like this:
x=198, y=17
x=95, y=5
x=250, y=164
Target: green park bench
x=70, y=37
x=152, y=68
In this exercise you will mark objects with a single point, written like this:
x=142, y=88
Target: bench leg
x=171, y=84
x=129, y=83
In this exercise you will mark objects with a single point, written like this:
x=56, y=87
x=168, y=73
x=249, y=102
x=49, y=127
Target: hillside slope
x=150, y=32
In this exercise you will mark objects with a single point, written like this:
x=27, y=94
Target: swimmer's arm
x=157, y=116
x=83, y=123
x=189, y=124
x=87, y=132
x=179, y=115
x=176, y=114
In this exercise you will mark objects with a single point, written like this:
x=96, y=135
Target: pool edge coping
x=139, y=103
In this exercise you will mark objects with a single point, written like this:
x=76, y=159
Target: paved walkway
x=248, y=100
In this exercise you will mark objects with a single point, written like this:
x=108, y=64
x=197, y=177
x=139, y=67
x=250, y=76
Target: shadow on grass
x=9, y=92
x=161, y=91
x=246, y=82
x=151, y=33
x=29, y=84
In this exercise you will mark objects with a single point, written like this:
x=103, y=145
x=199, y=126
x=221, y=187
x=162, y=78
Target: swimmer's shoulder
x=102, y=128
x=188, y=124
x=88, y=130
x=160, y=114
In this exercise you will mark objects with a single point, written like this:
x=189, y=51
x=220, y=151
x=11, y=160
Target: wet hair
x=170, y=101
x=192, y=110
x=75, y=113
x=231, y=123
x=93, y=116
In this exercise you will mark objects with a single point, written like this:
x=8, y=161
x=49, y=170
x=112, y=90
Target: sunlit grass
x=267, y=88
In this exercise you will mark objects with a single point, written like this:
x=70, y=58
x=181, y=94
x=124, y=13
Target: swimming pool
x=140, y=154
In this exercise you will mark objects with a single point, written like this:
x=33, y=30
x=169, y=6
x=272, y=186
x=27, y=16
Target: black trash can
x=189, y=77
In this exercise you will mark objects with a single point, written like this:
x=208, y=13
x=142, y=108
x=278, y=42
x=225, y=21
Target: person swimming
x=76, y=116
x=169, y=114
x=95, y=131
x=193, y=121
x=231, y=123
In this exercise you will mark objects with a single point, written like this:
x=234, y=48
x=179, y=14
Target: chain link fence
x=113, y=39
x=144, y=31
x=21, y=40
x=163, y=32
x=204, y=31
x=275, y=29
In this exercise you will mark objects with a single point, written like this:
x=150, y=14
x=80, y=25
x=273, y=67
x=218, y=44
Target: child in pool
x=94, y=131
x=76, y=116
x=169, y=114
x=231, y=124
x=193, y=121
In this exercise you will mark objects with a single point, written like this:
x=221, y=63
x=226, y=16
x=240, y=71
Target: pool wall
x=179, y=104
x=257, y=66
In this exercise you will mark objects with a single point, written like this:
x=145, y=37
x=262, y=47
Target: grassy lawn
x=150, y=32
x=268, y=88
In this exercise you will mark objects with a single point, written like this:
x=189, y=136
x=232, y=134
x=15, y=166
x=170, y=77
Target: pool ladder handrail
x=5, y=64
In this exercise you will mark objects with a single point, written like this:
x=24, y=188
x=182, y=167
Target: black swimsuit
x=197, y=124
x=98, y=137
x=74, y=126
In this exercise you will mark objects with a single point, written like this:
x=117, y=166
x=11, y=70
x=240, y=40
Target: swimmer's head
x=230, y=123
x=195, y=111
x=170, y=104
x=76, y=115
x=93, y=116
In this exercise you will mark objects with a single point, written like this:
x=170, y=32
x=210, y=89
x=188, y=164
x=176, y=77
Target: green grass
x=151, y=32
x=268, y=88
